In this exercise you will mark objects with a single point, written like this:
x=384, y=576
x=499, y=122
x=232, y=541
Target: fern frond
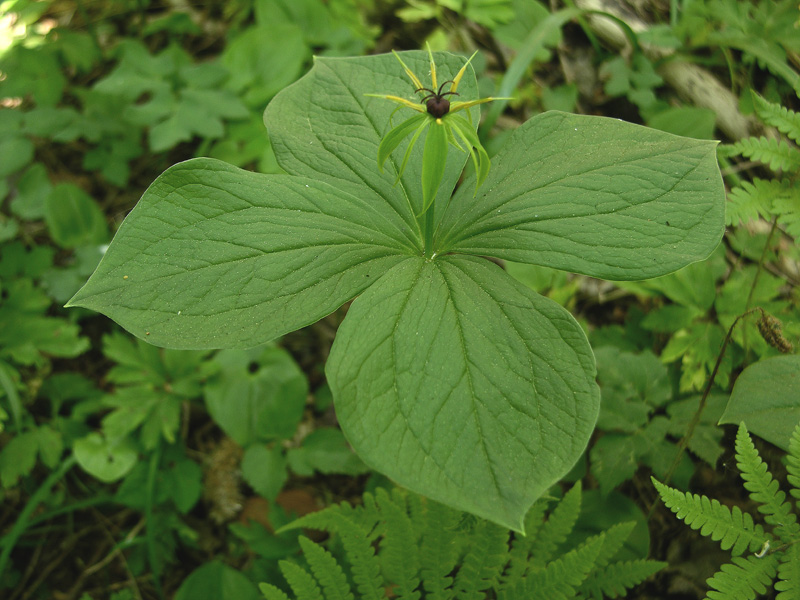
x=558, y=526
x=788, y=583
x=399, y=547
x=749, y=201
x=614, y=580
x=270, y=592
x=743, y=578
x=615, y=537
x=777, y=154
x=793, y=464
x=785, y=120
x=764, y=489
x=326, y=570
x=364, y=564
x=302, y=583
x=733, y=529
x=788, y=210
x=437, y=552
x=521, y=544
x=484, y=561
x=561, y=578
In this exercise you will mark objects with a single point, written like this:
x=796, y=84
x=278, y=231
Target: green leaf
x=264, y=470
x=15, y=153
x=595, y=196
x=462, y=384
x=103, y=459
x=216, y=581
x=766, y=398
x=434, y=160
x=74, y=218
x=213, y=256
x=18, y=458
x=326, y=451
x=258, y=396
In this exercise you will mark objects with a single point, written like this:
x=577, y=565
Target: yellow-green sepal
x=434, y=158
x=480, y=158
x=393, y=139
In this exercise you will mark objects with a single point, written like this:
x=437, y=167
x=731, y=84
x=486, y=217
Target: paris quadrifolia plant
x=759, y=554
x=448, y=375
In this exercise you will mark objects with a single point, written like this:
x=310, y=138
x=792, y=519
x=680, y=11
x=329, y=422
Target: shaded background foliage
x=128, y=471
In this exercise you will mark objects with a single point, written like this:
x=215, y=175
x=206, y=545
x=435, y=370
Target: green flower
x=446, y=127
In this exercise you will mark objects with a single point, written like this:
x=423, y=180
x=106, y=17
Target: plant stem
x=684, y=442
x=428, y=228
x=21, y=524
x=150, y=532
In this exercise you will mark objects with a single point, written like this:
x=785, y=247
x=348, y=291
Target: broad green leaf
x=324, y=127
x=766, y=398
x=73, y=217
x=264, y=470
x=258, y=396
x=106, y=460
x=460, y=383
x=595, y=196
x=216, y=581
x=325, y=450
x=213, y=256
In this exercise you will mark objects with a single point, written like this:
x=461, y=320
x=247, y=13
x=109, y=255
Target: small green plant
x=445, y=126
x=447, y=375
x=426, y=550
x=758, y=555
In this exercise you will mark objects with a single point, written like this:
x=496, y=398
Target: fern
x=793, y=465
x=302, y=583
x=775, y=153
x=556, y=529
x=326, y=570
x=750, y=201
x=763, y=488
x=270, y=592
x=613, y=541
x=483, y=562
x=745, y=577
x=429, y=551
x=614, y=580
x=788, y=583
x=785, y=120
x=735, y=530
x=560, y=579
x=521, y=545
x=400, y=547
x=437, y=551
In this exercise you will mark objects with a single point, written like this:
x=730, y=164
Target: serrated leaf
x=460, y=410
x=629, y=203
